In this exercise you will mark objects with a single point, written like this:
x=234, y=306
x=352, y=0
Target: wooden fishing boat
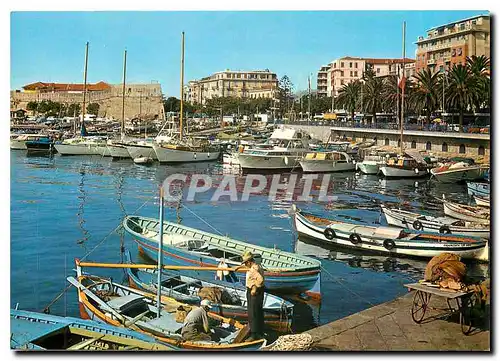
x=457, y=172
x=284, y=271
x=316, y=162
x=419, y=222
x=105, y=301
x=480, y=189
x=475, y=214
x=390, y=240
x=482, y=201
x=35, y=331
x=278, y=312
x=403, y=167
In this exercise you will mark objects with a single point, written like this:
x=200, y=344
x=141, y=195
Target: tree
x=392, y=96
x=348, y=96
x=462, y=90
x=372, y=95
x=479, y=66
x=425, y=94
x=32, y=106
x=73, y=110
x=285, y=89
x=93, y=108
x=172, y=104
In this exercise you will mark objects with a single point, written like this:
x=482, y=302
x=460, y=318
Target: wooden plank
x=451, y=294
x=85, y=343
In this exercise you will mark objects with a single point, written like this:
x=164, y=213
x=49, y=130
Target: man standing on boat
x=255, y=295
x=196, y=327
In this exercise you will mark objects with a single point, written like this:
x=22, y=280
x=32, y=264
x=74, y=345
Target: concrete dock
x=389, y=327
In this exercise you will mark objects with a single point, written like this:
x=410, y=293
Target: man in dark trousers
x=255, y=296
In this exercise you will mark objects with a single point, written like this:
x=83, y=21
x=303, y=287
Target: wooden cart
x=458, y=302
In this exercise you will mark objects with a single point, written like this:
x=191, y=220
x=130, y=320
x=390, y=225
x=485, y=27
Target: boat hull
x=452, y=210
x=165, y=155
x=408, y=221
x=323, y=166
x=102, y=150
x=118, y=151
x=402, y=247
x=478, y=189
x=482, y=201
x=75, y=149
x=18, y=144
x=368, y=168
x=252, y=161
x=457, y=175
x=141, y=151
x=394, y=172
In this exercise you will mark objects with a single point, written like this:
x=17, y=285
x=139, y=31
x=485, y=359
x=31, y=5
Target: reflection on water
x=70, y=200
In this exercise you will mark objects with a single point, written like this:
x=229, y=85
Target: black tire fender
x=355, y=238
x=417, y=225
x=389, y=244
x=444, y=229
x=329, y=233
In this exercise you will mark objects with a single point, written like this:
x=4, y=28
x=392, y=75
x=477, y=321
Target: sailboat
x=184, y=149
x=83, y=144
x=405, y=165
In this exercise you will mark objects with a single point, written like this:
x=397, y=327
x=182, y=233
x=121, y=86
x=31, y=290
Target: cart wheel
x=467, y=315
x=419, y=307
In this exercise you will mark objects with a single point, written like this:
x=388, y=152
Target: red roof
x=66, y=87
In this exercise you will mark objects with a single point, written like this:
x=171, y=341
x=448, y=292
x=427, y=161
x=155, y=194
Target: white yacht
x=284, y=150
x=371, y=164
x=315, y=162
x=187, y=150
x=80, y=145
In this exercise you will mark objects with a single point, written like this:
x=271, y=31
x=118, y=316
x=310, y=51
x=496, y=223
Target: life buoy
x=329, y=233
x=389, y=244
x=417, y=225
x=285, y=159
x=444, y=229
x=355, y=238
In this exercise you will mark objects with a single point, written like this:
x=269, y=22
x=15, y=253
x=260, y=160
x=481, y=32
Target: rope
x=201, y=219
x=300, y=342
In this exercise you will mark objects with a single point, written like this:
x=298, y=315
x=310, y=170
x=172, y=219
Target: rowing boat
x=474, y=214
x=390, y=240
x=419, y=222
x=482, y=201
x=480, y=189
x=35, y=331
x=230, y=299
x=105, y=301
x=284, y=271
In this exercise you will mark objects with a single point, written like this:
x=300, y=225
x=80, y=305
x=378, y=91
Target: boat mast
x=84, y=84
x=122, y=135
x=403, y=86
x=182, y=85
x=160, y=253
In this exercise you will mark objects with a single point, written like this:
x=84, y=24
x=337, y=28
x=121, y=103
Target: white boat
x=457, y=172
x=284, y=150
x=403, y=167
x=184, y=153
x=482, y=201
x=474, y=214
x=80, y=145
x=480, y=189
x=315, y=162
x=141, y=149
x=18, y=141
x=419, y=222
x=389, y=240
x=102, y=150
x=143, y=160
x=371, y=164
x=118, y=149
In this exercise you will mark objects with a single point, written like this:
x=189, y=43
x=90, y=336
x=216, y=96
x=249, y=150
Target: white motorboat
x=476, y=214
x=457, y=172
x=403, y=167
x=371, y=164
x=315, y=162
x=80, y=145
x=482, y=201
x=419, y=222
x=143, y=160
x=284, y=150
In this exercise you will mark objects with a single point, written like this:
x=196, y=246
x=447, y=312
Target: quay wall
x=442, y=143
x=145, y=99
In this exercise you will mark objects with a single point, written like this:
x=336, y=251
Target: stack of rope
x=447, y=271
x=299, y=342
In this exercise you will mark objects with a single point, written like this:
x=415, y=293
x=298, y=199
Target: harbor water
x=64, y=208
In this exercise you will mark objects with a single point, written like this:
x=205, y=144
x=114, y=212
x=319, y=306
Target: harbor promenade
x=389, y=327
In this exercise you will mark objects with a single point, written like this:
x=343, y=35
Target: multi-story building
x=452, y=43
x=349, y=69
x=240, y=84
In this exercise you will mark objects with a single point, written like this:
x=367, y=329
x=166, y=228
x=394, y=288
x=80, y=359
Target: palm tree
x=480, y=69
x=392, y=95
x=425, y=92
x=462, y=90
x=348, y=95
x=373, y=95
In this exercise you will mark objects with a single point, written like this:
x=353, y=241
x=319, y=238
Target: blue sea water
x=64, y=208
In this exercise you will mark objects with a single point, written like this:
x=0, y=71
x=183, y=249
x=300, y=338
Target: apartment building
x=349, y=69
x=240, y=84
x=452, y=43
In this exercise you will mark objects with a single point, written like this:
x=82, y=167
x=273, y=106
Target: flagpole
x=403, y=86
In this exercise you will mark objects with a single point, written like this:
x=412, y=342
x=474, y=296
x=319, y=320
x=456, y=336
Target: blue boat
x=478, y=189
x=39, y=331
x=284, y=271
x=42, y=144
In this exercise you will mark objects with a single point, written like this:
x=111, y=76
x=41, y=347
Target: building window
x=334, y=65
x=350, y=65
x=461, y=150
x=356, y=65
x=413, y=144
x=342, y=64
x=356, y=73
x=341, y=73
x=428, y=146
x=378, y=70
x=386, y=141
x=480, y=150
x=341, y=82
x=444, y=147
x=351, y=73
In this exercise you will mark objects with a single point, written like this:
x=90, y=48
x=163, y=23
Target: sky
x=50, y=46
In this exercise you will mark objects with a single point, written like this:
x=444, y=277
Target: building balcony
x=453, y=32
x=431, y=61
